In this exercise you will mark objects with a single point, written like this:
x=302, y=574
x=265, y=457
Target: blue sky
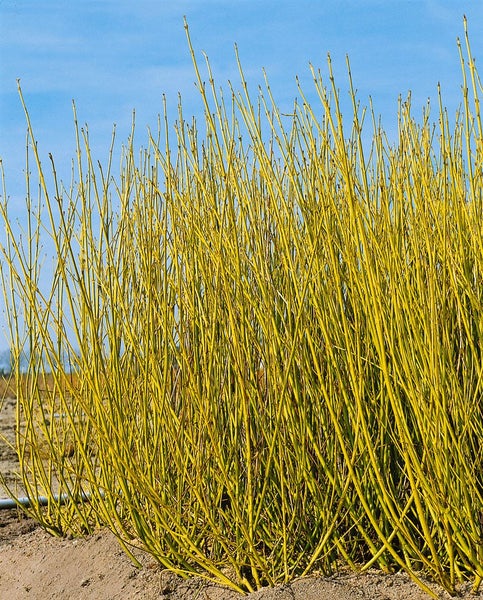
x=112, y=56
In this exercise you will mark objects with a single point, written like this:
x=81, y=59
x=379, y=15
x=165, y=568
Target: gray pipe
x=9, y=503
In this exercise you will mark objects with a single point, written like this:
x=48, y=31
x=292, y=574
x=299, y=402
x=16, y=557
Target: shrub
x=279, y=333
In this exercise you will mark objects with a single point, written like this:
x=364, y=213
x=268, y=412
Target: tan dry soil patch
x=8, y=456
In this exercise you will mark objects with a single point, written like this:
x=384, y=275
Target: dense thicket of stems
x=273, y=339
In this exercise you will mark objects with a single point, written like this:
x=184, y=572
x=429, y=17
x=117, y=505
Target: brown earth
x=35, y=565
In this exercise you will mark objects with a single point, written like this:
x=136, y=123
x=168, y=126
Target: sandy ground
x=35, y=565
x=8, y=457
